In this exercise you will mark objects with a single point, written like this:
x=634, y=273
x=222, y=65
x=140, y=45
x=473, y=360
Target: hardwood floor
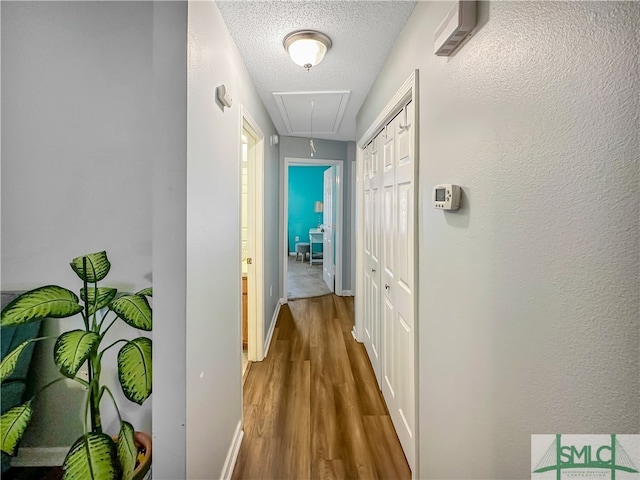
x=312, y=408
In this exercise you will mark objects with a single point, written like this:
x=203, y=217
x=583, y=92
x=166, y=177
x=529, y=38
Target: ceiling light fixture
x=307, y=47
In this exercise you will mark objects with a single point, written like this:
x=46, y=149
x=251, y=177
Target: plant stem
x=87, y=406
x=94, y=394
x=94, y=362
x=114, y=343
x=107, y=329
x=84, y=383
x=115, y=404
x=102, y=322
x=94, y=324
x=85, y=315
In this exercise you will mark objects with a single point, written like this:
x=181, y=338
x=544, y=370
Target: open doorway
x=252, y=241
x=312, y=227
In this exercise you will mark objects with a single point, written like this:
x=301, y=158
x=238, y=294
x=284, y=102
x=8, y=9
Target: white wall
x=529, y=295
x=169, y=238
x=213, y=236
x=76, y=170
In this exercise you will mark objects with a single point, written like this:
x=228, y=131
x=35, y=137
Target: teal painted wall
x=306, y=186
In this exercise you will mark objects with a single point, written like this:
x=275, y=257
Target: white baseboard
x=347, y=293
x=40, y=456
x=232, y=454
x=276, y=312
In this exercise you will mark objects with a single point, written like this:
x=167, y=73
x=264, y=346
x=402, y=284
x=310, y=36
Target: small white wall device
x=224, y=97
x=446, y=197
x=455, y=27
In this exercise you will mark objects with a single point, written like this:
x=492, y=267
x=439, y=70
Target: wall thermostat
x=446, y=197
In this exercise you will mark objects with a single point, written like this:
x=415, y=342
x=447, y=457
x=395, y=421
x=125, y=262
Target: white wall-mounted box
x=455, y=27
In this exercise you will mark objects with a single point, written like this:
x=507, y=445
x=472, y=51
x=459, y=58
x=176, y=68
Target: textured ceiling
x=362, y=33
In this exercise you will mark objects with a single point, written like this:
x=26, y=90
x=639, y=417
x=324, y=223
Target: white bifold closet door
x=328, y=221
x=372, y=272
x=389, y=276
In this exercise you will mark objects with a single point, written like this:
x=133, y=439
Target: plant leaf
x=13, y=423
x=105, y=295
x=72, y=349
x=133, y=309
x=9, y=362
x=50, y=301
x=134, y=369
x=127, y=450
x=97, y=266
x=92, y=456
x=147, y=292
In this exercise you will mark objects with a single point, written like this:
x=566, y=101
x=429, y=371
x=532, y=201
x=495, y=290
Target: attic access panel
x=328, y=111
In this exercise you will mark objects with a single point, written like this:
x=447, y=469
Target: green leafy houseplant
x=95, y=455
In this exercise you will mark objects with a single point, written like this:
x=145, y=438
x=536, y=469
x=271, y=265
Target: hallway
x=312, y=408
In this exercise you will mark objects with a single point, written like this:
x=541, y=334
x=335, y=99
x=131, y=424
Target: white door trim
x=255, y=295
x=408, y=91
x=353, y=228
x=284, y=214
x=358, y=277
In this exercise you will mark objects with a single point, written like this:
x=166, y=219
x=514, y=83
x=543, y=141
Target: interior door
x=248, y=220
x=398, y=259
x=372, y=274
x=328, y=221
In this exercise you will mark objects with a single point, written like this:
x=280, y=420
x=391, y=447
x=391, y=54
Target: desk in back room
x=315, y=238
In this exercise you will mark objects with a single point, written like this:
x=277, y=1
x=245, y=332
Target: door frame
x=255, y=286
x=329, y=256
x=284, y=212
x=407, y=92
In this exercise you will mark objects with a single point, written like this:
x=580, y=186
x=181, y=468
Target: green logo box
x=577, y=457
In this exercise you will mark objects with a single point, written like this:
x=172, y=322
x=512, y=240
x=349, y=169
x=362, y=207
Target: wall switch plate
x=297, y=238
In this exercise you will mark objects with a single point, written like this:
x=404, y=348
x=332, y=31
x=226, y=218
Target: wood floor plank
x=272, y=404
x=357, y=457
x=325, y=441
x=371, y=402
x=297, y=429
x=300, y=341
x=265, y=459
x=285, y=323
x=335, y=358
x=389, y=457
x=312, y=409
x=344, y=313
x=330, y=470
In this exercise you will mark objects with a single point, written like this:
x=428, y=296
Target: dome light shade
x=307, y=47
